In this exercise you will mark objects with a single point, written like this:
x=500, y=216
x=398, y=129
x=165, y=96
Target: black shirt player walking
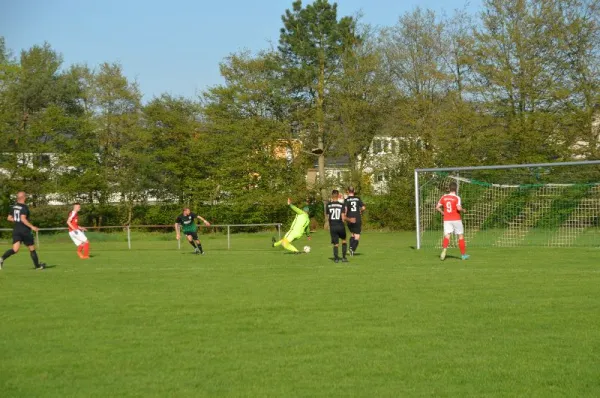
x=337, y=229
x=354, y=208
x=22, y=231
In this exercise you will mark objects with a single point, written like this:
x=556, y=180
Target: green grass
x=254, y=321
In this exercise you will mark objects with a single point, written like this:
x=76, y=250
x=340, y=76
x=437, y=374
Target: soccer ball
x=306, y=249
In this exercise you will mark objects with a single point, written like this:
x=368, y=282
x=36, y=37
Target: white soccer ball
x=306, y=249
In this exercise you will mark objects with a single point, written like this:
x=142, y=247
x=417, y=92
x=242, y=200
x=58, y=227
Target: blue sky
x=171, y=46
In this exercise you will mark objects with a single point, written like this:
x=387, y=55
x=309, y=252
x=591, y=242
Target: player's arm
x=307, y=230
x=294, y=208
x=459, y=207
x=10, y=218
x=204, y=221
x=439, y=208
x=26, y=222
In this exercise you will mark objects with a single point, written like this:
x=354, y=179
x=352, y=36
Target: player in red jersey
x=450, y=206
x=77, y=233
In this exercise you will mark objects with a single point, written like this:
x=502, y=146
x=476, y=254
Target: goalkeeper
x=300, y=226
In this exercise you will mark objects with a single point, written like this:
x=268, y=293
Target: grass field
x=254, y=321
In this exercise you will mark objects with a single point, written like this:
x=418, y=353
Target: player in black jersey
x=354, y=207
x=22, y=231
x=337, y=229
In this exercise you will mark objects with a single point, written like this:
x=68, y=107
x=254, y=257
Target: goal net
x=556, y=205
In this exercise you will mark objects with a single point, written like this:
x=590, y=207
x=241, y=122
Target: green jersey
x=188, y=222
x=301, y=224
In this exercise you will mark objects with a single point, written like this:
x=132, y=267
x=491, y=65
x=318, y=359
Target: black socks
x=35, y=259
x=7, y=254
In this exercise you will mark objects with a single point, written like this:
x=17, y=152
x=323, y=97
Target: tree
x=179, y=148
x=120, y=143
x=312, y=43
x=359, y=102
x=529, y=57
x=249, y=119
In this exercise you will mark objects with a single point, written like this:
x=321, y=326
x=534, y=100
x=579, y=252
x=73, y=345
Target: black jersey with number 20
x=334, y=213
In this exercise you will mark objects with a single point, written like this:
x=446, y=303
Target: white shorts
x=78, y=237
x=453, y=227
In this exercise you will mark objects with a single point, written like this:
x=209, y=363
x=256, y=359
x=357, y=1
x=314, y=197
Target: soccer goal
x=545, y=204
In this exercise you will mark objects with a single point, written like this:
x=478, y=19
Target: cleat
x=465, y=256
x=41, y=266
x=85, y=257
x=351, y=252
x=344, y=260
x=443, y=255
x=1, y=262
x=81, y=256
x=336, y=260
x=196, y=251
x=273, y=241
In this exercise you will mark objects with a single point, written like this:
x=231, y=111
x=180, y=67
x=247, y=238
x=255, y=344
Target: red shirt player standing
x=77, y=233
x=450, y=206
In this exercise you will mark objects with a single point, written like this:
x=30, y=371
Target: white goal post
x=537, y=204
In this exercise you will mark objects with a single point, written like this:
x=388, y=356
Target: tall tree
x=312, y=43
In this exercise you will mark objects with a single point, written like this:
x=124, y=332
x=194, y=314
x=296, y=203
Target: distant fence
x=128, y=228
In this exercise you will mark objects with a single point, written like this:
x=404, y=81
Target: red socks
x=462, y=246
x=445, y=243
x=83, y=250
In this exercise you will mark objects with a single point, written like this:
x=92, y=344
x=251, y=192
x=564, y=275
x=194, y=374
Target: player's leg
x=86, y=245
x=198, y=244
x=342, y=235
x=448, y=230
x=280, y=242
x=13, y=250
x=190, y=239
x=335, y=241
x=460, y=231
x=351, y=239
x=74, y=235
x=28, y=241
x=287, y=243
x=356, y=238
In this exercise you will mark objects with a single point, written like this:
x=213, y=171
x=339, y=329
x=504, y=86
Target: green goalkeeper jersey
x=188, y=223
x=301, y=224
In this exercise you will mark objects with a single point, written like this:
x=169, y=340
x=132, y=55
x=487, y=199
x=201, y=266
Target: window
x=377, y=146
x=394, y=147
x=380, y=177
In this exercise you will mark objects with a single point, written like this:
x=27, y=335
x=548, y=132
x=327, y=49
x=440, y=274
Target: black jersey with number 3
x=17, y=211
x=334, y=213
x=353, y=206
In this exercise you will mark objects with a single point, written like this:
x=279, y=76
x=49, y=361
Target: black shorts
x=337, y=232
x=26, y=237
x=355, y=228
x=194, y=235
